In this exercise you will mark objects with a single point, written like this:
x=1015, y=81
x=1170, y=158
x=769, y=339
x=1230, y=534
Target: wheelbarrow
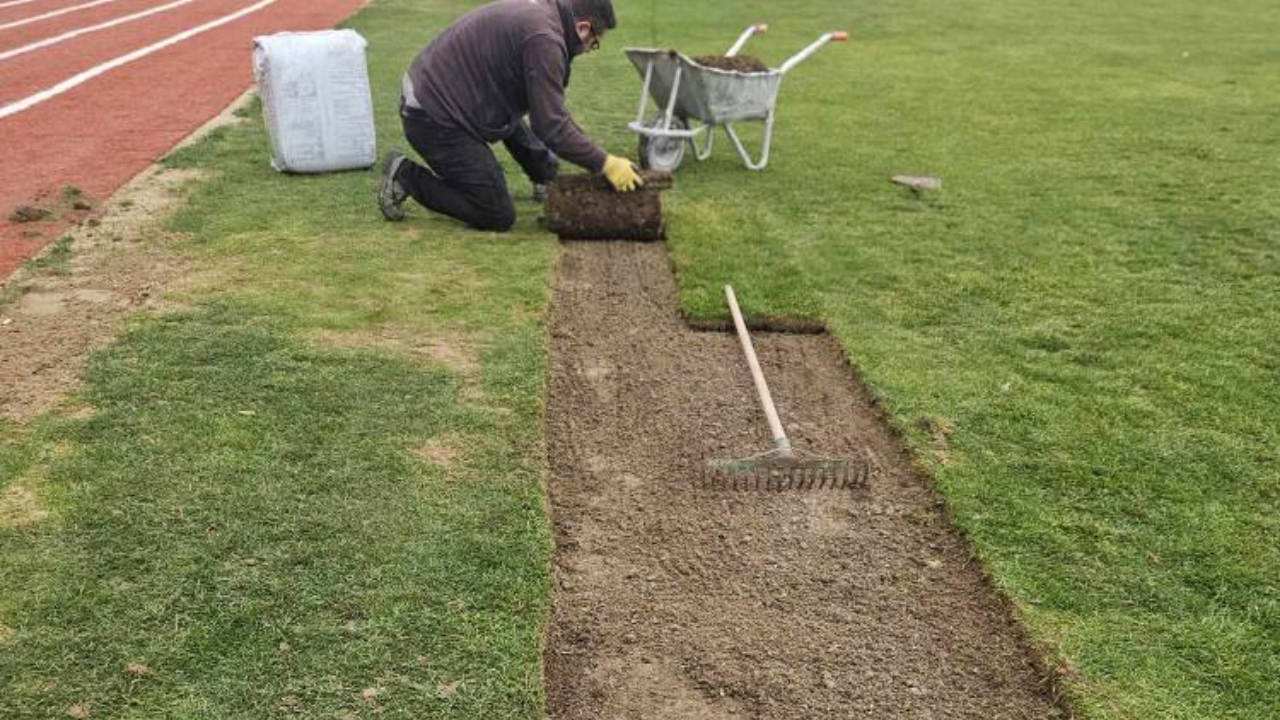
x=683, y=91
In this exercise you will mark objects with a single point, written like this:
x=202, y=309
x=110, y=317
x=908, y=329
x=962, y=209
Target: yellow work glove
x=621, y=174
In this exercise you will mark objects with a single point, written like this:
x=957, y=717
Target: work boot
x=391, y=194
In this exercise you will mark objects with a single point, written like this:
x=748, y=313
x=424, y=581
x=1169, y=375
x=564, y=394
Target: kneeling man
x=473, y=86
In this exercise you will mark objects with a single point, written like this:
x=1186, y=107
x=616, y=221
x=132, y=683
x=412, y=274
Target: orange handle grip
x=761, y=27
x=840, y=36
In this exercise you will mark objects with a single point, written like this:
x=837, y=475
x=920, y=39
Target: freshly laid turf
x=318, y=491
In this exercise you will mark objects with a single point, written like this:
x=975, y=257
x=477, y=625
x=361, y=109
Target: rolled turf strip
x=585, y=207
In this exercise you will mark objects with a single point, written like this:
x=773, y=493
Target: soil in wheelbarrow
x=585, y=207
x=676, y=603
x=736, y=63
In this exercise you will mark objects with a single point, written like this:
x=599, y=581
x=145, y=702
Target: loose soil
x=585, y=207
x=29, y=213
x=69, y=205
x=736, y=63
x=674, y=603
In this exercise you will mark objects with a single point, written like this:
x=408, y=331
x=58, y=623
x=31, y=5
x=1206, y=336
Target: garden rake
x=780, y=468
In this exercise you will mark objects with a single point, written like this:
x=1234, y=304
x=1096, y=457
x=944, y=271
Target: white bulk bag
x=315, y=96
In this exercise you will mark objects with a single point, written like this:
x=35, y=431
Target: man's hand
x=621, y=174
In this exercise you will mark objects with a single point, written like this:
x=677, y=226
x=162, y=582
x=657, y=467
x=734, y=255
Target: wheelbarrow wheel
x=663, y=154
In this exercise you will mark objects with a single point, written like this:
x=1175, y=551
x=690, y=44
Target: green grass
x=242, y=516
x=1088, y=307
x=56, y=260
x=324, y=479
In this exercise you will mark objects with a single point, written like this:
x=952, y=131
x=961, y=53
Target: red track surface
x=101, y=134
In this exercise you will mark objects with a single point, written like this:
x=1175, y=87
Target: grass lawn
x=1078, y=334
x=318, y=491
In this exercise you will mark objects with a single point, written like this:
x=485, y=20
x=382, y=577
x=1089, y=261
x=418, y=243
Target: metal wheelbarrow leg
x=742, y=149
x=768, y=122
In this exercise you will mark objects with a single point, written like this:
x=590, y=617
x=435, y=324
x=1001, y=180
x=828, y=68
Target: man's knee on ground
x=500, y=219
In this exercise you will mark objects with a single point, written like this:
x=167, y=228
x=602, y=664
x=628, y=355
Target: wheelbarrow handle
x=804, y=54
x=744, y=37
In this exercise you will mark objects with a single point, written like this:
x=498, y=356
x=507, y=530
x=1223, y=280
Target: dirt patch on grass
x=737, y=63
x=443, y=451
x=451, y=353
x=455, y=356
x=673, y=602
x=20, y=506
x=57, y=313
x=939, y=432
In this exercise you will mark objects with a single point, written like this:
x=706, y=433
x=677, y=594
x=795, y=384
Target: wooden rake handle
x=780, y=442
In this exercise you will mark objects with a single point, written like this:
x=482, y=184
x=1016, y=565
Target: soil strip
x=676, y=603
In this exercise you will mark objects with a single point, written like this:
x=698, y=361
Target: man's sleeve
x=544, y=73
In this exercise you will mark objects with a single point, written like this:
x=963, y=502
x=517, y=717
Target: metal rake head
x=777, y=471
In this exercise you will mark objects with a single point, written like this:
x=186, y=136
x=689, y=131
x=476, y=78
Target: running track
x=73, y=112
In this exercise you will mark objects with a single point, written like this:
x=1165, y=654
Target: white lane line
x=15, y=3
x=55, y=13
x=93, y=72
x=92, y=28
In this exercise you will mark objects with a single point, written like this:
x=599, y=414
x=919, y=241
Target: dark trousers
x=464, y=180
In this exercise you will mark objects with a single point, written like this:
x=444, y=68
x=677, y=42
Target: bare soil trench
x=674, y=603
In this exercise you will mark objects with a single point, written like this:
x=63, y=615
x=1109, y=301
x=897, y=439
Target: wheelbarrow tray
x=685, y=91
x=709, y=95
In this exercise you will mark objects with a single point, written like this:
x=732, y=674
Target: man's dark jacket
x=499, y=62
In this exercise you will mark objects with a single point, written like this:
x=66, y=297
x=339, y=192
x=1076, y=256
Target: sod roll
x=585, y=207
